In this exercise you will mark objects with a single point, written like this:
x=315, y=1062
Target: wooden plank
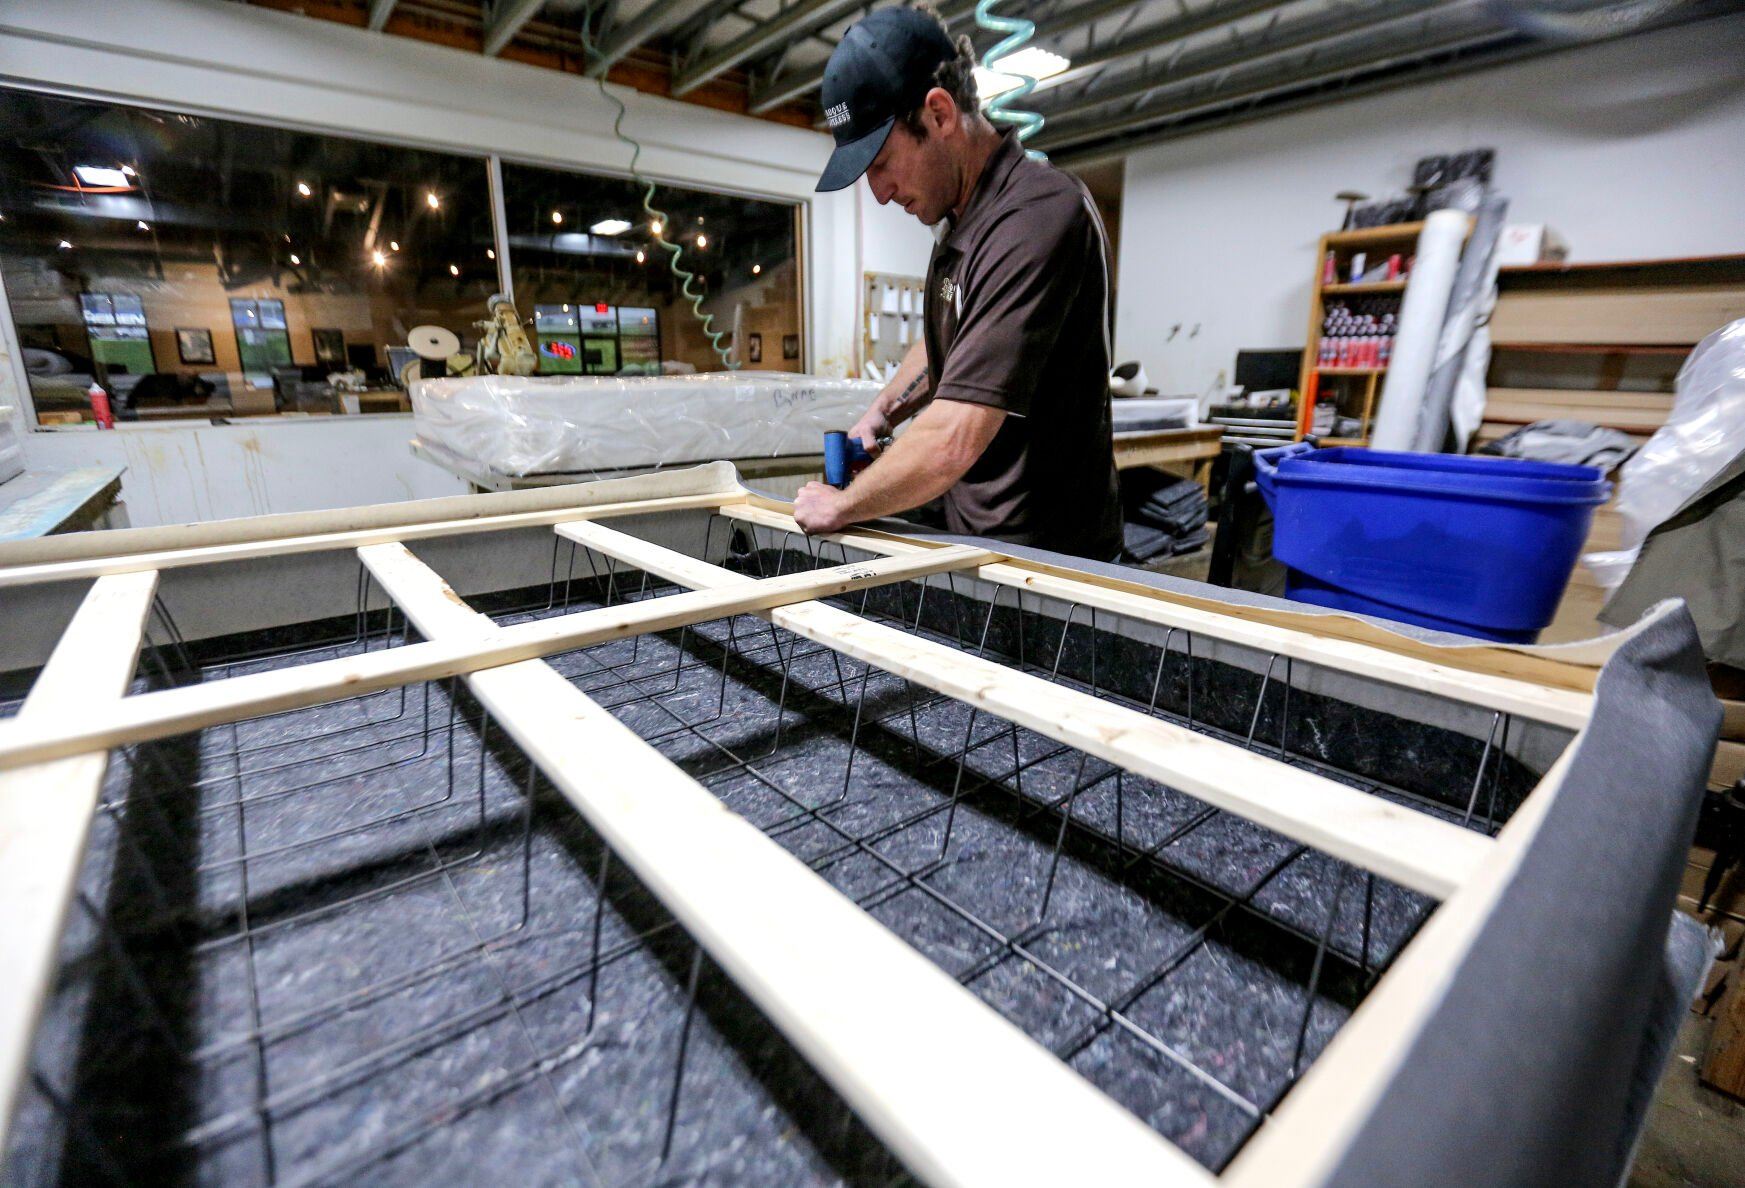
x=173, y=711
x=1724, y=1063
x=1663, y=315
x=1520, y=412
x=86, y=568
x=1660, y=402
x=961, y=1095
x=1314, y=1127
x=46, y=810
x=1408, y=847
x=1542, y=703
x=1161, y=446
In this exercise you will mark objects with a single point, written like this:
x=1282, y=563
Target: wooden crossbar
x=1568, y=708
x=248, y=550
x=1409, y=847
x=959, y=1094
x=46, y=810
x=172, y=711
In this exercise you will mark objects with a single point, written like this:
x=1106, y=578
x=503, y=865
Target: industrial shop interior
x=874, y=592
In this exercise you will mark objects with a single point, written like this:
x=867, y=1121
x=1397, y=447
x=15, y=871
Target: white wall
x=1631, y=149
x=229, y=59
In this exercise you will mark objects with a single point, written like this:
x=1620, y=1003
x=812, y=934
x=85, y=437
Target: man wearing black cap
x=1009, y=388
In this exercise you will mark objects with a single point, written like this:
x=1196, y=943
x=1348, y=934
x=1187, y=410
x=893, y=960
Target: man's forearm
x=923, y=463
x=908, y=390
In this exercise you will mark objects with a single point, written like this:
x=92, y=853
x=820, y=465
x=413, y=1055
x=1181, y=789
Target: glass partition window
x=193, y=265
x=594, y=271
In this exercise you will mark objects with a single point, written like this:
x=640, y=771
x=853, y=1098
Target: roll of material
x=1474, y=285
x=1421, y=315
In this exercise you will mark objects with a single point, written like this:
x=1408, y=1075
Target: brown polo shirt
x=1017, y=319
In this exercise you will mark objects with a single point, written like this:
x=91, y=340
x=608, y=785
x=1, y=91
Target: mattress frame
x=945, y=1082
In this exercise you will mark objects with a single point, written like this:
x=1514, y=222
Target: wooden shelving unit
x=1600, y=343
x=1353, y=389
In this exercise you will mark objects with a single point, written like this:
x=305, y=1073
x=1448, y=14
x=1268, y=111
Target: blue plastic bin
x=1478, y=546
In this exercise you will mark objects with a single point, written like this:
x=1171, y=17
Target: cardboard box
x=1529, y=243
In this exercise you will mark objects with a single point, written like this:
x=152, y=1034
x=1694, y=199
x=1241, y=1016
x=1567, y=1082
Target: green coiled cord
x=705, y=320
x=1018, y=31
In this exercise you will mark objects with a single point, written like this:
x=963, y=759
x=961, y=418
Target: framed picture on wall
x=329, y=347
x=195, y=346
x=790, y=346
x=754, y=348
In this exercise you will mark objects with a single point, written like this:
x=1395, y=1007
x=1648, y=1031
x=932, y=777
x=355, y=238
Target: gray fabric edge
x=1689, y=953
x=1531, y=1070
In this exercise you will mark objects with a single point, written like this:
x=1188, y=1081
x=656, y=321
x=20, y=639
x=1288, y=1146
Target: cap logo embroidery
x=836, y=115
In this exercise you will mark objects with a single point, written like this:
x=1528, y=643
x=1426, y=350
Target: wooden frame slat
x=1566, y=708
x=172, y=711
x=46, y=810
x=248, y=550
x=959, y=1094
x=1411, y=848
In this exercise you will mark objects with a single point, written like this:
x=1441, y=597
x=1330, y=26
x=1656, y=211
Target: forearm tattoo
x=911, y=393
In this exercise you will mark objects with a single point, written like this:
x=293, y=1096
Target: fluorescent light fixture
x=1031, y=60
x=610, y=227
x=100, y=175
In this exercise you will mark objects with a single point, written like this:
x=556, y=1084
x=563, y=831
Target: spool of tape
x=433, y=342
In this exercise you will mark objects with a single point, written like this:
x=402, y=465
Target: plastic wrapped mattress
x=523, y=425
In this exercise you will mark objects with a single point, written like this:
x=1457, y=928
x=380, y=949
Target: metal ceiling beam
x=1270, y=82
x=1198, y=20
x=658, y=18
x=380, y=10
x=782, y=90
x=1156, y=37
x=797, y=20
x=507, y=18
x=1324, y=26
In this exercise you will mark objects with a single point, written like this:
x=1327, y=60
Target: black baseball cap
x=881, y=69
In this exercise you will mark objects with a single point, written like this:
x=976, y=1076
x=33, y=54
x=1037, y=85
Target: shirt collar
x=1001, y=162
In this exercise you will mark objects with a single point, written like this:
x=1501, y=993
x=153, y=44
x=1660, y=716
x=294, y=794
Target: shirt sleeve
x=1016, y=291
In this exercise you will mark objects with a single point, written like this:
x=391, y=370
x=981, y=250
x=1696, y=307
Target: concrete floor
x=1694, y=1135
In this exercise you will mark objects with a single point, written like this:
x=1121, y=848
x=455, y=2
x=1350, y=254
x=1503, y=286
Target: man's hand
x=820, y=508
x=870, y=428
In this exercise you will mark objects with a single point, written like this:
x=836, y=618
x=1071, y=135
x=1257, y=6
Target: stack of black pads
x=1164, y=515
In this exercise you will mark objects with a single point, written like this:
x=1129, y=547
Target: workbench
x=1187, y=451
x=42, y=503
